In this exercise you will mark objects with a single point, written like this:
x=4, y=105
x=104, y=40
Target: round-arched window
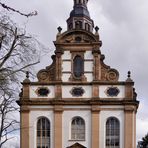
x=43, y=133
x=112, y=133
x=78, y=129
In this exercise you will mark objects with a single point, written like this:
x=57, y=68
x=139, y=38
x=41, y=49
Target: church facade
x=78, y=101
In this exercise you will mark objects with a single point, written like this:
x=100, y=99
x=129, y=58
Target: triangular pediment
x=76, y=145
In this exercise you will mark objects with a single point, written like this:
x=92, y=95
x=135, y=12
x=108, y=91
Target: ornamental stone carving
x=42, y=91
x=112, y=75
x=77, y=91
x=42, y=75
x=112, y=91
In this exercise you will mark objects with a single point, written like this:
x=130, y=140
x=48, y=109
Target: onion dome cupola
x=80, y=17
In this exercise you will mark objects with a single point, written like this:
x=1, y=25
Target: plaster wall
x=88, y=66
x=66, y=66
x=88, y=55
x=66, y=134
x=66, y=91
x=103, y=94
x=104, y=115
x=33, y=90
x=33, y=118
x=66, y=55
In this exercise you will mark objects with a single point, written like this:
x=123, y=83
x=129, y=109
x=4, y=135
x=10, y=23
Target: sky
x=123, y=30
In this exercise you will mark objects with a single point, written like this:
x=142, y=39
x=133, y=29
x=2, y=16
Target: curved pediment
x=77, y=36
x=108, y=73
x=47, y=74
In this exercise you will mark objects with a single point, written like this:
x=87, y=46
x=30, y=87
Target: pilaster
x=58, y=73
x=130, y=127
x=95, y=119
x=97, y=68
x=58, y=126
x=129, y=90
x=95, y=91
x=24, y=127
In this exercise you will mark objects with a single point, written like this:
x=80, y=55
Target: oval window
x=78, y=66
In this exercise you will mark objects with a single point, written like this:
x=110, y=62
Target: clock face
x=112, y=91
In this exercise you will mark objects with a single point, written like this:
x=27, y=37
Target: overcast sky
x=123, y=30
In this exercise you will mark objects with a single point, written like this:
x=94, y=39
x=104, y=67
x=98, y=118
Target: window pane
x=78, y=129
x=112, y=133
x=43, y=133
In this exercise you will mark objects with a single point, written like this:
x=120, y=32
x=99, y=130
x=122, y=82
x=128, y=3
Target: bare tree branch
x=17, y=11
x=11, y=49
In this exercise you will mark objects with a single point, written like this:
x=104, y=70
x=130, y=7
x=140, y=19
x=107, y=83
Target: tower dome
x=80, y=9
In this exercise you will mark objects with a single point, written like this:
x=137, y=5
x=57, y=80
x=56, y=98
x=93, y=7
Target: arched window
x=78, y=66
x=77, y=129
x=112, y=133
x=43, y=133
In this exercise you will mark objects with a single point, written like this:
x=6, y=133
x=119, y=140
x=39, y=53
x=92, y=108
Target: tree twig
x=17, y=11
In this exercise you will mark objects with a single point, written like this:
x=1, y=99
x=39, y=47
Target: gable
x=76, y=145
x=79, y=36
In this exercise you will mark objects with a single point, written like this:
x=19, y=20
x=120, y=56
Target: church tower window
x=112, y=133
x=43, y=133
x=87, y=27
x=78, y=25
x=78, y=66
x=78, y=129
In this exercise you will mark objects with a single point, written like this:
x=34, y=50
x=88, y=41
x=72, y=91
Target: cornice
x=80, y=83
x=80, y=102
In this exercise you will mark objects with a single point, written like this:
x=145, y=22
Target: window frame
x=78, y=25
x=47, y=131
x=72, y=76
x=76, y=132
x=75, y=68
x=112, y=132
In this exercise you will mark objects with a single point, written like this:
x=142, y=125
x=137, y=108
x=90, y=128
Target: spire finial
x=129, y=77
x=129, y=74
x=27, y=77
x=27, y=74
x=59, y=29
x=96, y=29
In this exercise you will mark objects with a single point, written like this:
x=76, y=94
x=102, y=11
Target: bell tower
x=80, y=17
x=78, y=101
